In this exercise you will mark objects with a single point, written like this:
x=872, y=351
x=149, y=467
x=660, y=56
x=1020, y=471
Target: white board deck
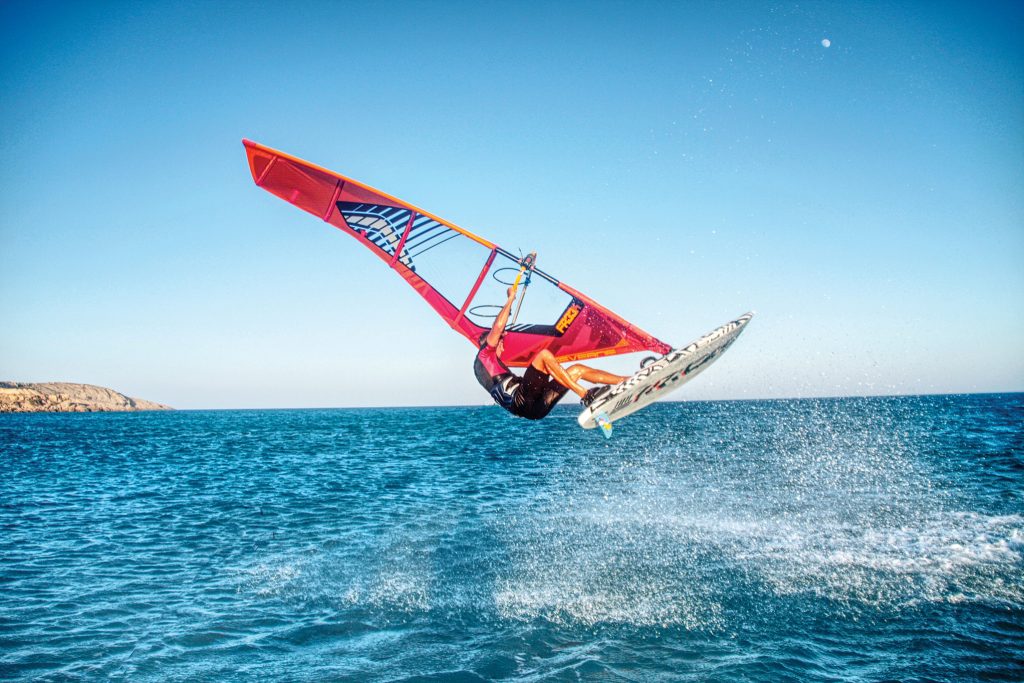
x=664, y=375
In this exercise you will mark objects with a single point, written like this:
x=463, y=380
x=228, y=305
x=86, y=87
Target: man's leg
x=593, y=375
x=545, y=362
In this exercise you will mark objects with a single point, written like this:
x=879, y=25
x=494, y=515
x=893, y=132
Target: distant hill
x=64, y=397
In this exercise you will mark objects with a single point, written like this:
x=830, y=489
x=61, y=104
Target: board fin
x=604, y=423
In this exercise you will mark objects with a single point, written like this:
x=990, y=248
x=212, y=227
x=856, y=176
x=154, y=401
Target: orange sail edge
x=425, y=250
x=260, y=156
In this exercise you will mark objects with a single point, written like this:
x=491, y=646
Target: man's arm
x=499, y=323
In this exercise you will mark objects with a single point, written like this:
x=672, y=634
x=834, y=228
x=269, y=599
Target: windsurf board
x=664, y=375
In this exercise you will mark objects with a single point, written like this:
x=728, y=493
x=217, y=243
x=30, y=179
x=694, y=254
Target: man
x=542, y=385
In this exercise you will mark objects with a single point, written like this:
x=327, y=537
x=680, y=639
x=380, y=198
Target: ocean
x=851, y=539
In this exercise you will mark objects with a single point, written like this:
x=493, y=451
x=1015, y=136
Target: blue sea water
x=827, y=540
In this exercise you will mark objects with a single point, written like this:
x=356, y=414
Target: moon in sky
x=826, y=42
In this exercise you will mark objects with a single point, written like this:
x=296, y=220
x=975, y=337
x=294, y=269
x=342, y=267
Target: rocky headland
x=65, y=397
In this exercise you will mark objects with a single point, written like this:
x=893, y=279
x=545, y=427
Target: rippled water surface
x=845, y=539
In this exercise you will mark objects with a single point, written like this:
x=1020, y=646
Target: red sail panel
x=460, y=275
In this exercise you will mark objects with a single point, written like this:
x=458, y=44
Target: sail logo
x=570, y=314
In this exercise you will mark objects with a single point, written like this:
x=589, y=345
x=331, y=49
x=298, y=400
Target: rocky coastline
x=66, y=397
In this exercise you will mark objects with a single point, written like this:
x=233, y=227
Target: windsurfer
x=543, y=384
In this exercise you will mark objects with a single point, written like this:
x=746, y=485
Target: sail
x=463, y=277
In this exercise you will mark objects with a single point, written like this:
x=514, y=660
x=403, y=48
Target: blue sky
x=682, y=163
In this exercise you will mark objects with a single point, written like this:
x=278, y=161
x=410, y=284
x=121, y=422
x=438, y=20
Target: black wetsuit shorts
x=536, y=395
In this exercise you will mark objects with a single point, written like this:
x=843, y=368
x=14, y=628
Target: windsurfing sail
x=463, y=277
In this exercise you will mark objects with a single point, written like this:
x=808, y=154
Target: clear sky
x=680, y=162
